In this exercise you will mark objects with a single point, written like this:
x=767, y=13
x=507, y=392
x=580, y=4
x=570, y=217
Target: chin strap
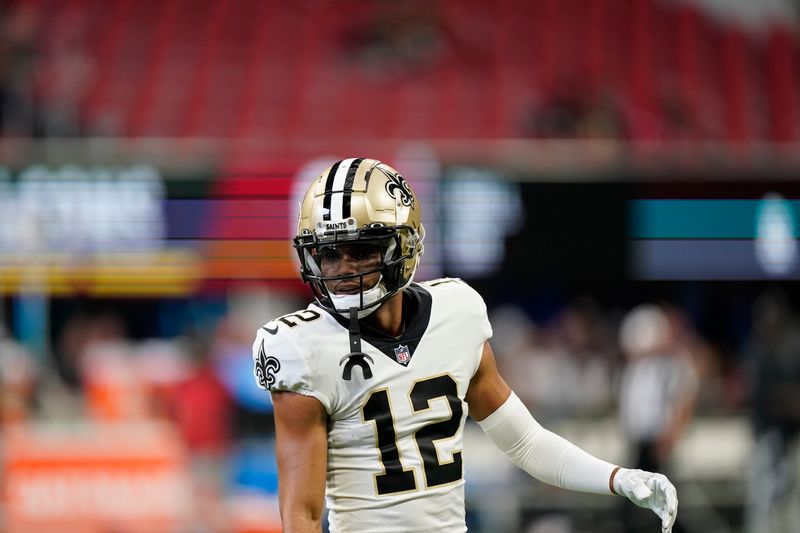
x=355, y=332
x=356, y=357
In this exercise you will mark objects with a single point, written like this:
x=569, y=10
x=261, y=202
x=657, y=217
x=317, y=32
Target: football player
x=372, y=383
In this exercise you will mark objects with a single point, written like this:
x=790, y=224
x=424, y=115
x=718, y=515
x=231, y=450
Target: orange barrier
x=91, y=477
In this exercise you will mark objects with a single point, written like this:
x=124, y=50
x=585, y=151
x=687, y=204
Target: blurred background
x=620, y=179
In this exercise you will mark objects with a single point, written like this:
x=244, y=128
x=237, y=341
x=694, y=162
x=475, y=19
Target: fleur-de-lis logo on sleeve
x=265, y=369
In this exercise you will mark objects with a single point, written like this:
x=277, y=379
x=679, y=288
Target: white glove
x=651, y=491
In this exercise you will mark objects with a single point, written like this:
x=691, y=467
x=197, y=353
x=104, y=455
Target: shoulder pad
x=456, y=287
x=283, y=358
x=461, y=300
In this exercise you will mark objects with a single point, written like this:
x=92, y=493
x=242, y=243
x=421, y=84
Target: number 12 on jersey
x=378, y=410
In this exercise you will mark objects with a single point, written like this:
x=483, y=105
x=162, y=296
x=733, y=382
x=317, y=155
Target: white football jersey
x=396, y=413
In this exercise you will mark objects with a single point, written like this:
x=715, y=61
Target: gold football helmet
x=360, y=201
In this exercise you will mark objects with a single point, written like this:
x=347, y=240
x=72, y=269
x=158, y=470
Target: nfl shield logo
x=402, y=354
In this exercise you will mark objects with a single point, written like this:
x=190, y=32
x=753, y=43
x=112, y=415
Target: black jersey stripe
x=348, y=186
x=326, y=202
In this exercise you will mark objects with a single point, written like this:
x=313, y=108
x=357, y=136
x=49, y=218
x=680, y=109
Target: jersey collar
x=417, y=316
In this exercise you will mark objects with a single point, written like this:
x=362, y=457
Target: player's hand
x=651, y=491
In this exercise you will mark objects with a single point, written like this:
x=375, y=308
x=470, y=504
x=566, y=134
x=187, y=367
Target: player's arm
x=302, y=447
x=552, y=459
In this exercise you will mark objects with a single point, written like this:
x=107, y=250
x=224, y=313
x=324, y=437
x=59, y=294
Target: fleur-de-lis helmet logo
x=398, y=188
x=266, y=368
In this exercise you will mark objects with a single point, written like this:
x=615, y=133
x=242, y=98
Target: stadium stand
x=640, y=69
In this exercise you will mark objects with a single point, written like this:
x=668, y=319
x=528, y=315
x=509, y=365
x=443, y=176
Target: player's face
x=349, y=259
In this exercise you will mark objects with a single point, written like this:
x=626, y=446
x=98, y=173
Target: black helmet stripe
x=348, y=187
x=326, y=203
x=335, y=185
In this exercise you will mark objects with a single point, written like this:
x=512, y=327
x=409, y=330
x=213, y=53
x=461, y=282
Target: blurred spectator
x=561, y=370
x=202, y=409
x=201, y=406
x=18, y=48
x=19, y=373
x=557, y=118
x=162, y=366
x=397, y=36
x=706, y=358
x=113, y=388
x=63, y=75
x=773, y=353
x=657, y=397
x=602, y=118
x=515, y=345
x=574, y=112
x=81, y=332
x=586, y=344
x=232, y=358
